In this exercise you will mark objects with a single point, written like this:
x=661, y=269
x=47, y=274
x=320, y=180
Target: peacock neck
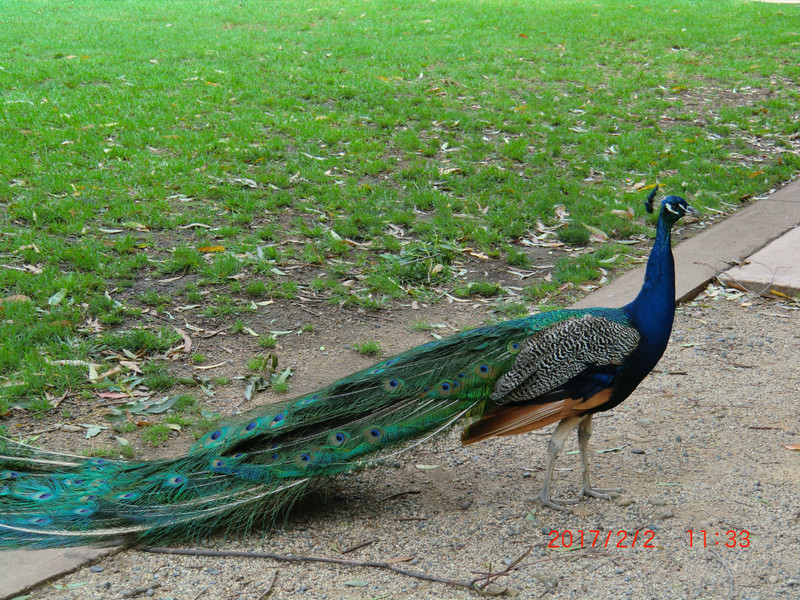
x=653, y=310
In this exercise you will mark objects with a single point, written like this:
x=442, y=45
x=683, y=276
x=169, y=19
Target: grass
x=379, y=144
x=368, y=348
x=267, y=342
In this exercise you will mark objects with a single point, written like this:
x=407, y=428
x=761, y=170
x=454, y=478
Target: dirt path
x=700, y=446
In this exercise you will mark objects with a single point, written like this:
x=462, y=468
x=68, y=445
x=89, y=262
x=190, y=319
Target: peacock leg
x=555, y=445
x=584, y=433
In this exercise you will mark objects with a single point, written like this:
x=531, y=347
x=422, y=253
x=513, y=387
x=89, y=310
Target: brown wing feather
x=515, y=419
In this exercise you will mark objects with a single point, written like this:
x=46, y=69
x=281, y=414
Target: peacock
x=507, y=378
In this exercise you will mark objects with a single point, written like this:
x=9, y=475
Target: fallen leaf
x=603, y=451
x=108, y=374
x=93, y=430
x=56, y=298
x=216, y=366
x=245, y=182
x=191, y=225
x=14, y=298
x=129, y=364
x=113, y=395
x=399, y=559
x=187, y=341
x=145, y=406
x=597, y=234
x=624, y=214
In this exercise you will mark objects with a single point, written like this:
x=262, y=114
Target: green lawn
x=229, y=142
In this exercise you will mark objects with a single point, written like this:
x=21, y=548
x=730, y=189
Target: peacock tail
x=256, y=465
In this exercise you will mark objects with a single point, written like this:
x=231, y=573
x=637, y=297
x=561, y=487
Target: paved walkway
x=768, y=232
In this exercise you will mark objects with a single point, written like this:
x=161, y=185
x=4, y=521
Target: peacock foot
x=602, y=493
x=560, y=503
x=556, y=504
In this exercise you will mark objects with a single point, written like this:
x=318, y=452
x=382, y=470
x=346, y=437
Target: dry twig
x=360, y=545
x=270, y=585
x=321, y=559
x=491, y=577
x=722, y=562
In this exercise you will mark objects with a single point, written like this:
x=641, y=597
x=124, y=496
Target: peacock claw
x=551, y=503
x=567, y=500
x=559, y=503
x=602, y=493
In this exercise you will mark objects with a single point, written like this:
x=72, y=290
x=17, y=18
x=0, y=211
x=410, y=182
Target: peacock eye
x=250, y=426
x=310, y=399
x=484, y=368
x=375, y=432
x=278, y=418
x=216, y=435
x=339, y=437
x=445, y=387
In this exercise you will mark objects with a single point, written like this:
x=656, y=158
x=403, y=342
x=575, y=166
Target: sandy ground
x=700, y=446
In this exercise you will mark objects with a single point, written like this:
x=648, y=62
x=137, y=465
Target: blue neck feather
x=653, y=310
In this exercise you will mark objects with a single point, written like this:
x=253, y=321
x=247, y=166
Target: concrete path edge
x=23, y=570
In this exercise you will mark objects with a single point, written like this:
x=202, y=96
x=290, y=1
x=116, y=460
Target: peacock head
x=672, y=207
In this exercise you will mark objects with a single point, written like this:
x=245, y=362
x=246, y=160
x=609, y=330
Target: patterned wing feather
x=552, y=357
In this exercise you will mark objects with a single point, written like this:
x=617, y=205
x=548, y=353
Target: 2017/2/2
x=593, y=538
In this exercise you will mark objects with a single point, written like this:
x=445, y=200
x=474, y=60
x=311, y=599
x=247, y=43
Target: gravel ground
x=700, y=446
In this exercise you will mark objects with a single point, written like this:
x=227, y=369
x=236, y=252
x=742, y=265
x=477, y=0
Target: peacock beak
x=691, y=211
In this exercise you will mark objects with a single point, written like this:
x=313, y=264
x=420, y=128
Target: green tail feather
x=251, y=468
